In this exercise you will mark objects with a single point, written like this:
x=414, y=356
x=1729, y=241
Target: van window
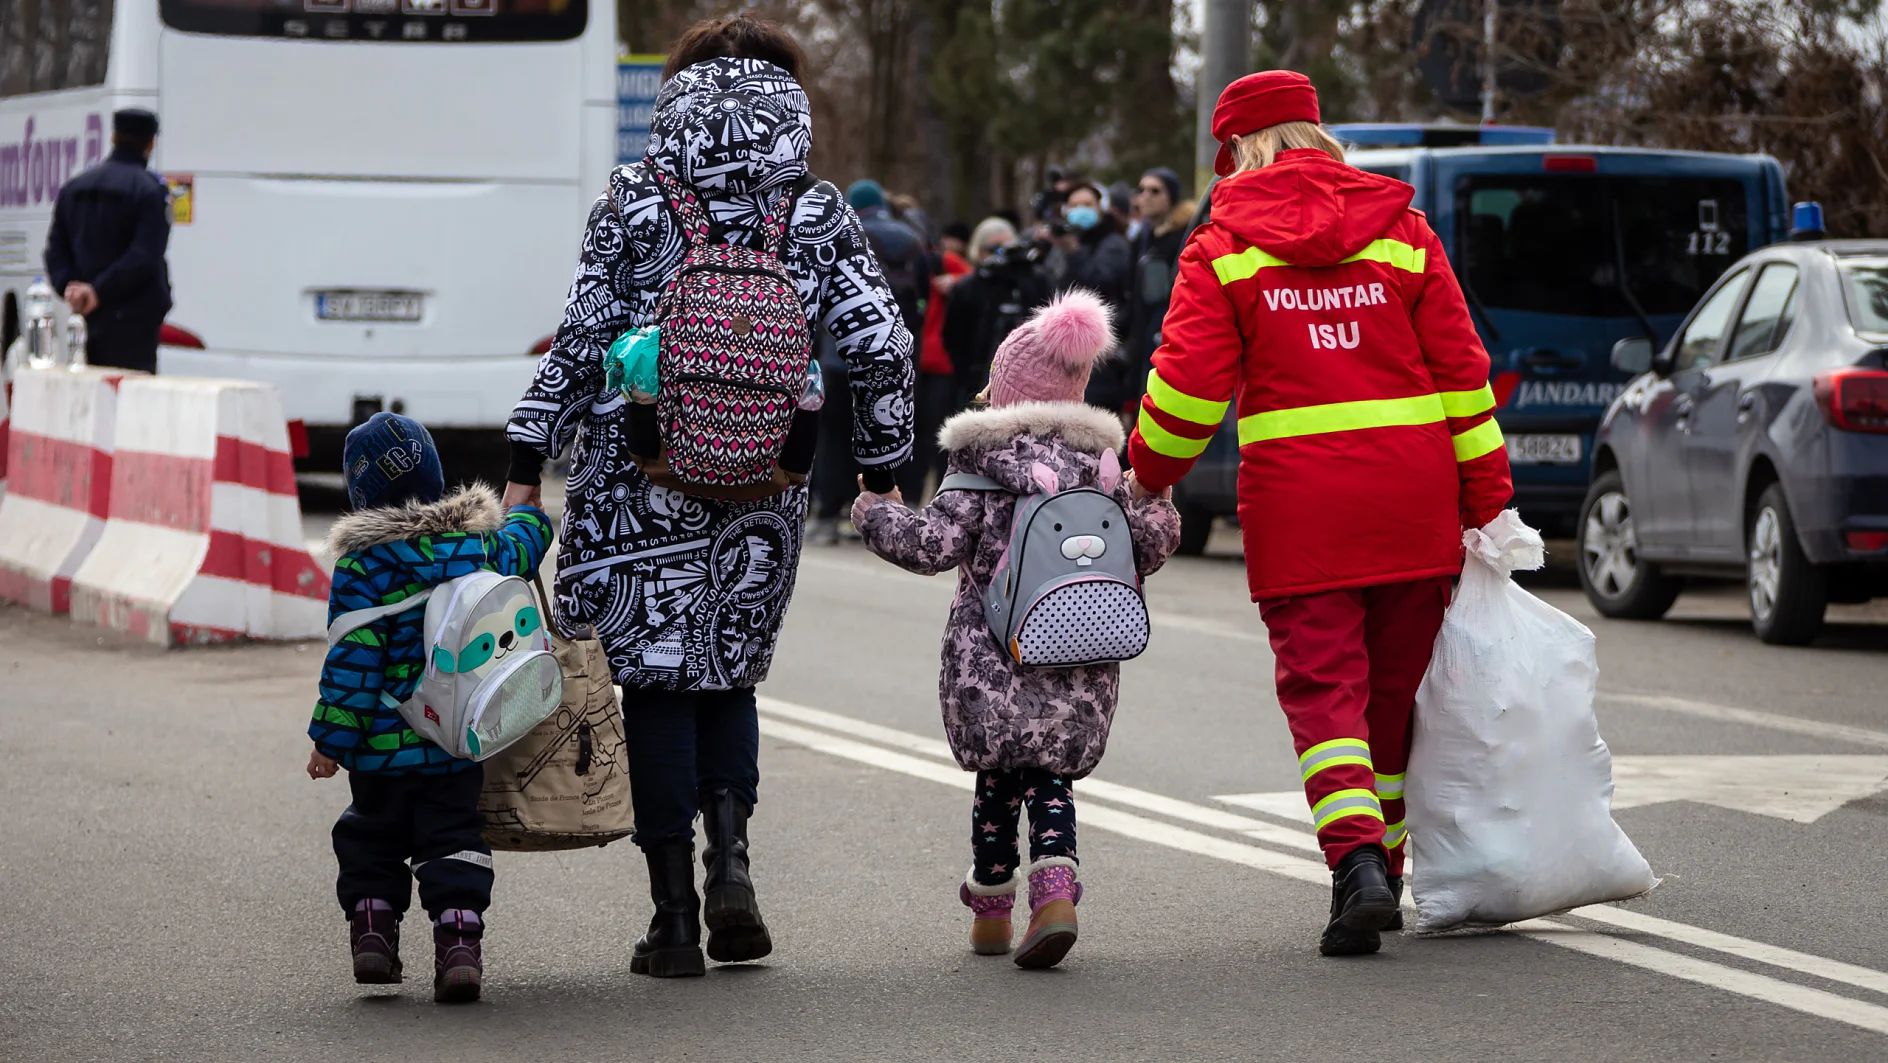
x=53, y=44
x=1399, y=172
x=1553, y=243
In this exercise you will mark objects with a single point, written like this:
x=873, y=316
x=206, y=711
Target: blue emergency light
x=1806, y=222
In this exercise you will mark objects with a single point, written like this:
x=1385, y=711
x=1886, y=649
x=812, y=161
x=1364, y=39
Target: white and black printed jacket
x=685, y=592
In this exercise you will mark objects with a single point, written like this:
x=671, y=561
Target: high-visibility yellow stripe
x=1245, y=264
x=1395, y=834
x=1340, y=417
x=1390, y=787
x=1468, y=403
x=1331, y=754
x=1165, y=443
x=1182, y=405
x=1345, y=803
x=1394, y=253
x=1484, y=438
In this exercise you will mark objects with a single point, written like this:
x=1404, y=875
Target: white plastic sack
x=1510, y=787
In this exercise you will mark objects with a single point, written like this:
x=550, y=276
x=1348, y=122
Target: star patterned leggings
x=1001, y=798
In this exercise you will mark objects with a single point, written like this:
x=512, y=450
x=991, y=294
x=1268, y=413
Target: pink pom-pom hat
x=1048, y=357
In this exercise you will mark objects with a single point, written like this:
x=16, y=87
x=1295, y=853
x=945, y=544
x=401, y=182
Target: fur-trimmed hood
x=1016, y=445
x=1081, y=426
x=473, y=508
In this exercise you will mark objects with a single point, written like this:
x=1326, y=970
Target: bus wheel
x=1788, y=593
x=1615, y=580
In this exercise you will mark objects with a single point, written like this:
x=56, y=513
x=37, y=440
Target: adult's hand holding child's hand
x=867, y=499
x=524, y=495
x=321, y=766
x=1141, y=492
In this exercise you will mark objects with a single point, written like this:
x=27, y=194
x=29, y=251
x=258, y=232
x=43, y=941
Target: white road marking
x=1817, y=1002
x=1094, y=788
x=1861, y=736
x=1810, y=1001
x=1800, y=788
x=1774, y=955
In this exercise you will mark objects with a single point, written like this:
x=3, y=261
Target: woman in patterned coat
x=688, y=593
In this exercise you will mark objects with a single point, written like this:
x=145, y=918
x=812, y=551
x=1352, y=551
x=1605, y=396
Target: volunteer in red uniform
x=1320, y=301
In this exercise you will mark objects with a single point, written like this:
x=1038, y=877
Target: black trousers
x=1003, y=798
x=684, y=745
x=121, y=344
x=432, y=821
x=835, y=474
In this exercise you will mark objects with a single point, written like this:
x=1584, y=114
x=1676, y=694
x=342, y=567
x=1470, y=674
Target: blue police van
x=1562, y=251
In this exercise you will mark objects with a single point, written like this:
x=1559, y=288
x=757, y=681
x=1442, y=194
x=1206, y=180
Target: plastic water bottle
x=814, y=395
x=75, y=342
x=42, y=334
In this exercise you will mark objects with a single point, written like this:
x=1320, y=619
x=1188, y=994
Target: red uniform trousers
x=1349, y=663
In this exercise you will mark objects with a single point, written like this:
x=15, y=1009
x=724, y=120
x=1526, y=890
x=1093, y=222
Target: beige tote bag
x=566, y=784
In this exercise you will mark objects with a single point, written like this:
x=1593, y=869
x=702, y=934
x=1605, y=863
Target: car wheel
x=1616, y=581
x=1196, y=528
x=1788, y=593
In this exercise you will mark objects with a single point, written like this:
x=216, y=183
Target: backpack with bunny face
x=490, y=675
x=1066, y=591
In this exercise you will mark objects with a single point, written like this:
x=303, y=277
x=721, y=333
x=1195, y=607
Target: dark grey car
x=1753, y=447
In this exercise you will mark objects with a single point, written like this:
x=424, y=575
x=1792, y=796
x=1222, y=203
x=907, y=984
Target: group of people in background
x=962, y=290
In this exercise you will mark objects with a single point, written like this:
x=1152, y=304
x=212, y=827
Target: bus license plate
x=1544, y=450
x=367, y=306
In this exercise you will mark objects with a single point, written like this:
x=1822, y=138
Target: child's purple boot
x=373, y=932
x=990, y=906
x=1053, y=895
x=458, y=966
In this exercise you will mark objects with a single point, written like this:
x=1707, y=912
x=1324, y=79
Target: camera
x=1020, y=256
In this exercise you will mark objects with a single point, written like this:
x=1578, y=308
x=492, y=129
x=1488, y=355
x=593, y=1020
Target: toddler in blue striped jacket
x=415, y=810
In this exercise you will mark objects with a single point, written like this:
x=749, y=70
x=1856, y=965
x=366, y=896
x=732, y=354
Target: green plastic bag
x=630, y=364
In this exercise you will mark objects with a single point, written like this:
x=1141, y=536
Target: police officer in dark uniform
x=105, y=251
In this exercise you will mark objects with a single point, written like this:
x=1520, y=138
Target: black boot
x=1361, y=903
x=1396, y=890
x=735, y=930
x=672, y=947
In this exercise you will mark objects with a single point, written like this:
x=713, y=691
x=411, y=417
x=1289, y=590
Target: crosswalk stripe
x=1804, y=999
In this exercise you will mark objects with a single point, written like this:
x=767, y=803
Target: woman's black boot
x=736, y=932
x=672, y=947
x=1361, y=903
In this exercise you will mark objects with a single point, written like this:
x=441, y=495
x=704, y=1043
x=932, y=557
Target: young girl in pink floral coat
x=1027, y=732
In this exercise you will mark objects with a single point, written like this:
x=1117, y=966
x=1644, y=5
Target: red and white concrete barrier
x=204, y=540
x=59, y=462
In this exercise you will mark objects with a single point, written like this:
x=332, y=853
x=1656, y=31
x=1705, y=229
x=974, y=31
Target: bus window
x=387, y=20
x=53, y=44
x=1546, y=243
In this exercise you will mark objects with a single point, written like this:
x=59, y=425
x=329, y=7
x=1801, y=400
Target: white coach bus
x=377, y=203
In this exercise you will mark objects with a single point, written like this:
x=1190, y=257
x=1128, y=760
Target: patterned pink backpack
x=732, y=364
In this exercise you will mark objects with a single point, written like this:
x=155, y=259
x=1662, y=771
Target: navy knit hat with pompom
x=391, y=460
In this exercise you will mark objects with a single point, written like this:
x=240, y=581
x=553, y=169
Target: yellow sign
x=183, y=202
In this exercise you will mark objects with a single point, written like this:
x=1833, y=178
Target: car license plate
x=367, y=306
x=1544, y=450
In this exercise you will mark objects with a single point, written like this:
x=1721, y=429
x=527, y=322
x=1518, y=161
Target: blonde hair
x=987, y=230
x=1257, y=149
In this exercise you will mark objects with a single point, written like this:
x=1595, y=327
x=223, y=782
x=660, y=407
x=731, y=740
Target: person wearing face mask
x=1099, y=259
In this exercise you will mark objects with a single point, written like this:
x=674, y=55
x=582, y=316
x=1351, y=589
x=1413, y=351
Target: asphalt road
x=168, y=882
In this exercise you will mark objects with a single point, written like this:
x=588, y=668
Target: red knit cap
x=1257, y=101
